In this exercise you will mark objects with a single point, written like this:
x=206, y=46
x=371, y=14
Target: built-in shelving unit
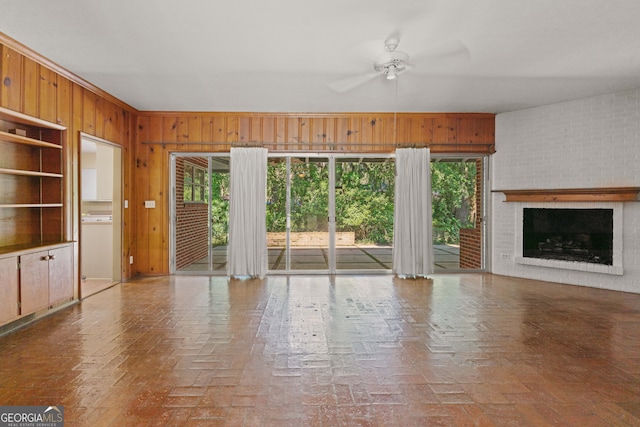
x=36, y=263
x=31, y=182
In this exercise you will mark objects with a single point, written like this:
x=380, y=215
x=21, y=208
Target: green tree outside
x=364, y=199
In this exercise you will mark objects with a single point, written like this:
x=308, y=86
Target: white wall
x=592, y=142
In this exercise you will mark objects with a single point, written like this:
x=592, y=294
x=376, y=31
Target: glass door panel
x=219, y=213
x=456, y=206
x=309, y=213
x=201, y=213
x=277, y=179
x=364, y=199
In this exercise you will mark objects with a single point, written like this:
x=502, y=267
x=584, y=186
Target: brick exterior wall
x=191, y=220
x=471, y=238
x=586, y=143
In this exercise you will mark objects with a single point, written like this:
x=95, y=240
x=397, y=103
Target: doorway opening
x=101, y=214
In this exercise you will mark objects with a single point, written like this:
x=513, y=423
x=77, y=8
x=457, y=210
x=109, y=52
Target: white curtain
x=247, y=254
x=412, y=231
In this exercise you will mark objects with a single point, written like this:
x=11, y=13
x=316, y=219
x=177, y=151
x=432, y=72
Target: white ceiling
x=283, y=55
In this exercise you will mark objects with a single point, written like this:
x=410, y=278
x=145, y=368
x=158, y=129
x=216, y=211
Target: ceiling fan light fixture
x=392, y=73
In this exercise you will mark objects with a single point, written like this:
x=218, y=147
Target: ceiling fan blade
x=454, y=49
x=351, y=83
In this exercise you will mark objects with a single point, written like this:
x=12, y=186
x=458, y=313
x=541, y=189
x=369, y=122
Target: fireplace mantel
x=604, y=194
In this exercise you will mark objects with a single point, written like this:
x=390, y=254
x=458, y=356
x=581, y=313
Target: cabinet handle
x=52, y=257
x=45, y=258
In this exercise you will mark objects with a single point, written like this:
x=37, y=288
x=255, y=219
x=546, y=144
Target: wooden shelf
x=16, y=117
x=18, y=139
x=605, y=194
x=31, y=247
x=31, y=205
x=29, y=173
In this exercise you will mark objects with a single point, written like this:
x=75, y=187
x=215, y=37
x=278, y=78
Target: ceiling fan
x=393, y=62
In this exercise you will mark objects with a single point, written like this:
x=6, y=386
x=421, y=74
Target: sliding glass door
x=200, y=213
x=325, y=213
x=298, y=214
x=364, y=192
x=330, y=213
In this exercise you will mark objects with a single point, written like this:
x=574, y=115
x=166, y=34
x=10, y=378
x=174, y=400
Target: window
x=195, y=184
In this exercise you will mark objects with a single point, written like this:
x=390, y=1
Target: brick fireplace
x=588, y=143
x=571, y=241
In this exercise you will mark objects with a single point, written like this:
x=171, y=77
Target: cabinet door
x=8, y=289
x=60, y=274
x=34, y=281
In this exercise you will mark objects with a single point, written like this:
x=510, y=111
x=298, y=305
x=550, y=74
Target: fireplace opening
x=581, y=235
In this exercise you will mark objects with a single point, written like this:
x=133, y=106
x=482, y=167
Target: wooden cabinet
x=9, y=295
x=32, y=217
x=34, y=281
x=46, y=278
x=60, y=274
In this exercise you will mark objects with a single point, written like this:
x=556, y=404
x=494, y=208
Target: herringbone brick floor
x=461, y=350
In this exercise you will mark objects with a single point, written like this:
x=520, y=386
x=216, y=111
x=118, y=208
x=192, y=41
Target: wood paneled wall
x=160, y=133
x=331, y=132
x=33, y=85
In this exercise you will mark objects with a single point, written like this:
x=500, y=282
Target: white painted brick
x=592, y=142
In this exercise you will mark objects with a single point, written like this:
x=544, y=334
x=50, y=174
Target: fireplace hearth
x=578, y=235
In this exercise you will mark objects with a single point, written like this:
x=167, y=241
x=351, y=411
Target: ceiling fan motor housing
x=397, y=60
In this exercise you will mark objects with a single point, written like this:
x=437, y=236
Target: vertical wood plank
x=88, y=112
x=63, y=100
x=281, y=133
x=317, y=133
x=206, y=129
x=416, y=131
x=142, y=178
x=128, y=183
x=219, y=133
x=11, y=85
x=63, y=117
x=330, y=132
x=305, y=137
x=489, y=131
x=403, y=131
x=108, y=115
x=100, y=117
x=293, y=133
x=194, y=124
x=452, y=130
x=428, y=129
x=30, y=82
x=169, y=130
x=269, y=132
x=182, y=129
x=244, y=130
x=372, y=134
x=440, y=131
x=255, y=129
x=155, y=130
x=342, y=133
x=47, y=92
x=231, y=128
x=389, y=134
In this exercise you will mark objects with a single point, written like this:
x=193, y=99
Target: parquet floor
x=461, y=350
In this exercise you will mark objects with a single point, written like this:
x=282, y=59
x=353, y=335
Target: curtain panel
x=247, y=252
x=412, y=228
